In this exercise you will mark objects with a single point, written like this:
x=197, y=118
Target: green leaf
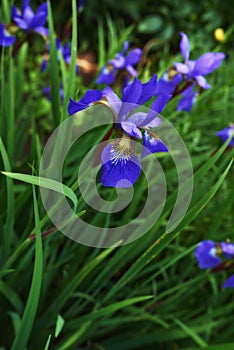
x=46, y=183
x=150, y=24
x=59, y=325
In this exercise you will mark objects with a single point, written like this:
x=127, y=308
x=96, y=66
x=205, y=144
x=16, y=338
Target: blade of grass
x=28, y=318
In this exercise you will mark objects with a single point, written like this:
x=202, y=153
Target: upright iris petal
x=120, y=165
x=184, y=46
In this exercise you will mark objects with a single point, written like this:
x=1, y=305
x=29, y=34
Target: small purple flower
x=226, y=133
x=65, y=52
x=206, y=254
x=229, y=283
x=120, y=164
x=30, y=21
x=216, y=256
x=120, y=62
x=193, y=72
x=47, y=93
x=80, y=5
x=5, y=38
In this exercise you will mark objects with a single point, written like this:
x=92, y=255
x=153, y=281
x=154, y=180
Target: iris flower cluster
x=120, y=163
x=26, y=20
x=122, y=62
x=188, y=78
x=216, y=256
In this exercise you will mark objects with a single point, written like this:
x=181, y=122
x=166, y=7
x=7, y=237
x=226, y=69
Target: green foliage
x=58, y=294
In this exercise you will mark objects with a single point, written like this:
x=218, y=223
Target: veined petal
x=229, y=283
x=89, y=97
x=152, y=145
x=184, y=46
x=134, y=56
x=207, y=63
x=119, y=169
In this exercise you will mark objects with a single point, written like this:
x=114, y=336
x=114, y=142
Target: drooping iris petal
x=131, y=70
x=133, y=57
x=89, y=97
x=106, y=76
x=207, y=63
x=184, y=46
x=152, y=145
x=118, y=169
x=226, y=133
x=229, y=283
x=187, y=100
x=202, y=82
x=206, y=254
x=5, y=38
x=227, y=248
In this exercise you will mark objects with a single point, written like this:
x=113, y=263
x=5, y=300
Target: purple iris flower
x=65, y=52
x=194, y=71
x=5, y=38
x=120, y=62
x=206, y=254
x=229, y=283
x=47, y=92
x=211, y=255
x=226, y=133
x=30, y=21
x=80, y=5
x=120, y=164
